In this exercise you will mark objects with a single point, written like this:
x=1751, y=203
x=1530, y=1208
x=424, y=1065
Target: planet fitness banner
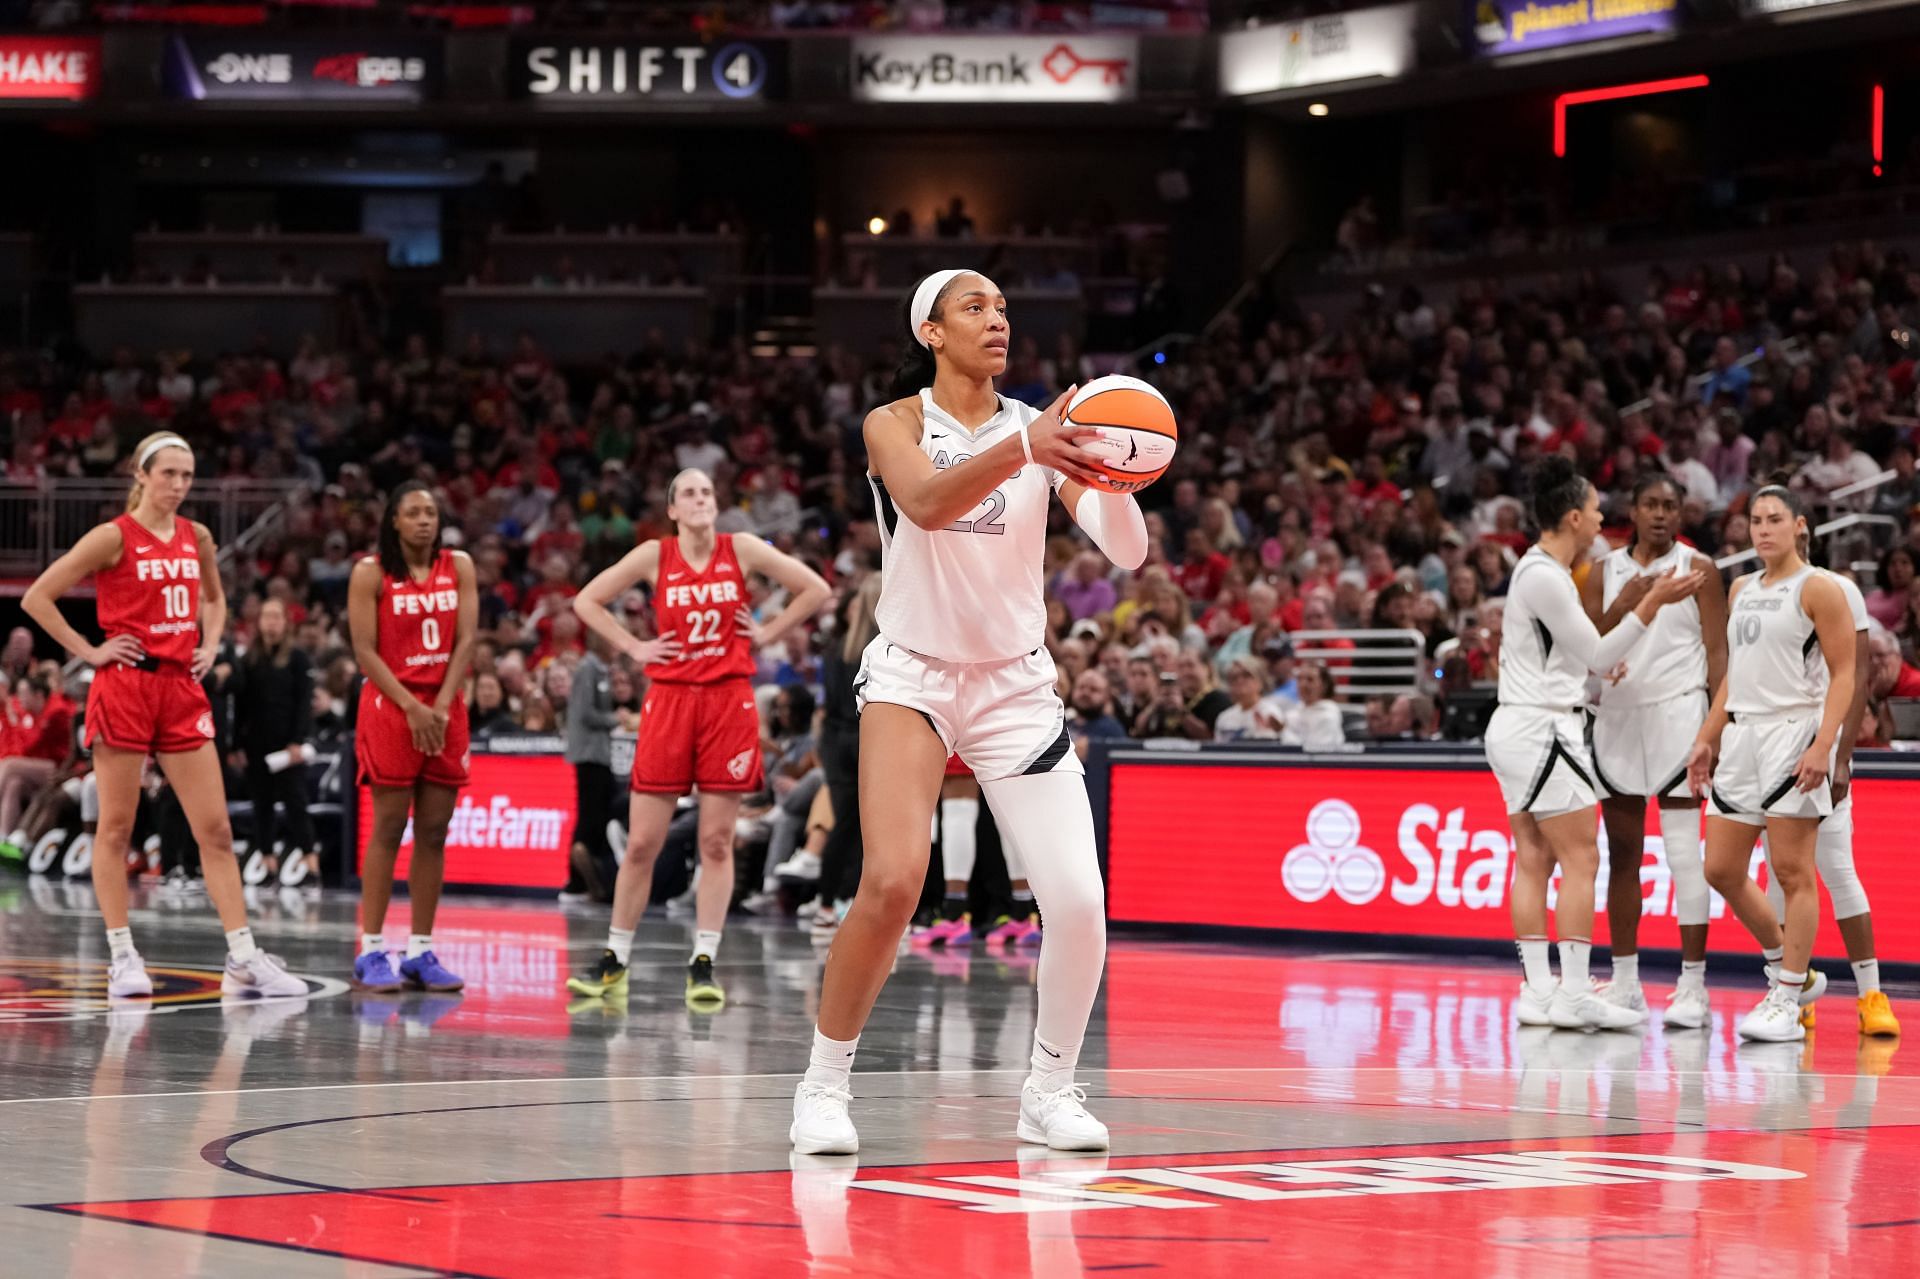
x=1516, y=26
x=509, y=828
x=1407, y=852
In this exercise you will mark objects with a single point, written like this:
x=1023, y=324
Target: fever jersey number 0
x=991, y=507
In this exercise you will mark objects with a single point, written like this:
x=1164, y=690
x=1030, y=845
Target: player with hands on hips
x=699, y=728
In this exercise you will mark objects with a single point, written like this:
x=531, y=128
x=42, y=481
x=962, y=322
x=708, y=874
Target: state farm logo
x=1332, y=859
x=252, y=68
x=500, y=823
x=370, y=71
x=1439, y=859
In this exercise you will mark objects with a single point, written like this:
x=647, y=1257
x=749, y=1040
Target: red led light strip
x=1645, y=88
x=1879, y=126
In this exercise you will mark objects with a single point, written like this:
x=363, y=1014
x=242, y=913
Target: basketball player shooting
x=961, y=478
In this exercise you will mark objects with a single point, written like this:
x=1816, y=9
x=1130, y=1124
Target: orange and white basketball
x=1137, y=431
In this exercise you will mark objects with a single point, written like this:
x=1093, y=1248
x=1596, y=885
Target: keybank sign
x=1070, y=68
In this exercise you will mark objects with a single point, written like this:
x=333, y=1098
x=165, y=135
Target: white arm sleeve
x=1115, y=524
x=1553, y=599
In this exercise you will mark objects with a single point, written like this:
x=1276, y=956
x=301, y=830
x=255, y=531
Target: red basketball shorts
x=704, y=735
x=155, y=712
x=383, y=745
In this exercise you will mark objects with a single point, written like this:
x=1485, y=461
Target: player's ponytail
x=1557, y=489
x=143, y=455
x=917, y=365
x=393, y=557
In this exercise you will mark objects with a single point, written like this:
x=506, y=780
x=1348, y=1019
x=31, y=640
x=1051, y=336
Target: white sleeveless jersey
x=973, y=591
x=1769, y=641
x=1536, y=670
x=1672, y=660
x=1857, y=606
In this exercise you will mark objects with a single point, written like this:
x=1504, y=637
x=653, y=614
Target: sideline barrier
x=1407, y=842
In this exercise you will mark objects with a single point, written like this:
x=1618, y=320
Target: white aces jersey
x=1672, y=660
x=973, y=591
x=1770, y=649
x=1857, y=606
x=1536, y=668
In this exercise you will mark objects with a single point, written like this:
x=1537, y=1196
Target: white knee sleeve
x=1833, y=855
x=1046, y=817
x=958, y=817
x=1680, y=836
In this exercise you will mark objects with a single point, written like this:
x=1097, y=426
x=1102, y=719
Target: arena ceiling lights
x=1643, y=89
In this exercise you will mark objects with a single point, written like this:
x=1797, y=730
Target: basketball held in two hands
x=1137, y=431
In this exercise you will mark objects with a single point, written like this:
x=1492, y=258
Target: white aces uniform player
x=951, y=608
x=960, y=666
x=1639, y=737
x=1536, y=744
x=1833, y=846
x=1776, y=725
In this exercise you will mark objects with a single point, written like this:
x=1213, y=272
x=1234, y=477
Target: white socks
x=1535, y=964
x=1053, y=1064
x=705, y=942
x=831, y=1065
x=120, y=942
x=418, y=944
x=1773, y=954
x=620, y=942
x=1866, y=974
x=372, y=943
x=1626, y=970
x=240, y=947
x=1573, y=966
x=1693, y=972
x=959, y=819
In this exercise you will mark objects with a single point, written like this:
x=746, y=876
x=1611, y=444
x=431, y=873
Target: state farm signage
x=1066, y=68
x=590, y=71
x=1404, y=851
x=49, y=68
x=510, y=825
x=297, y=69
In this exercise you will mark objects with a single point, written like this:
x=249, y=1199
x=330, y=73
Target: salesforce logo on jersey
x=295, y=69
x=1067, y=68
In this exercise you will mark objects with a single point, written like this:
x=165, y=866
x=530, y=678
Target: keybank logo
x=988, y=69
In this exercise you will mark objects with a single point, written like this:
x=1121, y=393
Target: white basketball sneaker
x=1579, y=1010
x=821, y=1125
x=1688, y=1009
x=260, y=977
x=127, y=978
x=1059, y=1119
x=1624, y=994
x=1775, y=1020
x=1534, y=1006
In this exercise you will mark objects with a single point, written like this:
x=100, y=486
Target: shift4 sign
x=582, y=71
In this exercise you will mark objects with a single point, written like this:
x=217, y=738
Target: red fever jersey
x=699, y=608
x=417, y=624
x=153, y=592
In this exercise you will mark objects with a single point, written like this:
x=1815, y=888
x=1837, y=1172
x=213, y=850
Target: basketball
x=1137, y=430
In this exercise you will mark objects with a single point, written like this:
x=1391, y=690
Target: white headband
x=164, y=442
x=923, y=301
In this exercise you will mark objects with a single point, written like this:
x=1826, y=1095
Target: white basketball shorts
x=1754, y=778
x=1642, y=750
x=1002, y=719
x=1540, y=758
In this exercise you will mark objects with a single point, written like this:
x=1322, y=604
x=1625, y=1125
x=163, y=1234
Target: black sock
x=954, y=906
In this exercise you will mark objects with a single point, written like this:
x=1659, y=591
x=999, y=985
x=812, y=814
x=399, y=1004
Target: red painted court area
x=1790, y=1203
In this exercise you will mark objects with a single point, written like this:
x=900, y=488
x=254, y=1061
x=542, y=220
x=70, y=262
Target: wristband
x=1026, y=443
